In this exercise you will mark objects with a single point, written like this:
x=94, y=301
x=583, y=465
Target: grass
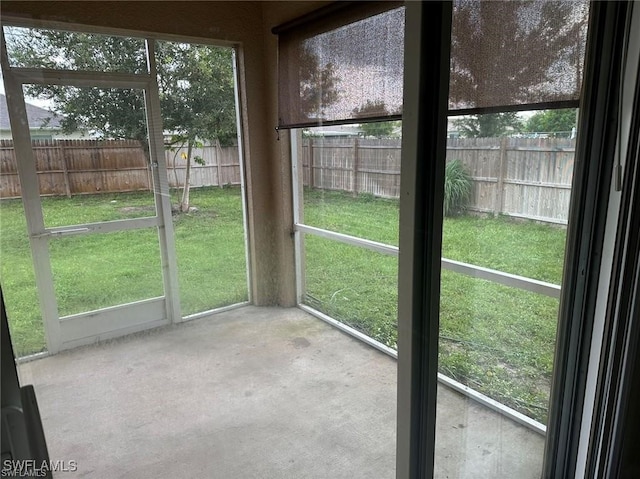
x=18, y=281
x=212, y=270
x=357, y=286
x=100, y=270
x=366, y=216
x=496, y=339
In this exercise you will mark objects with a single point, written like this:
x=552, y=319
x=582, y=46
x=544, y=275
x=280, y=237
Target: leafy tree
x=490, y=125
x=318, y=85
x=376, y=129
x=196, y=97
x=107, y=113
x=380, y=129
x=552, y=121
x=195, y=82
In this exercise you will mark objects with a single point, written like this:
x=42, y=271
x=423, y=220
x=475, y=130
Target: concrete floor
x=253, y=393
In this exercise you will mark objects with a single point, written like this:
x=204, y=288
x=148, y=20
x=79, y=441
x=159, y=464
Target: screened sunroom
x=322, y=239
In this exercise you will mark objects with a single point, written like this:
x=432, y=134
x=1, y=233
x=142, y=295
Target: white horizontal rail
x=507, y=279
x=104, y=227
x=493, y=404
x=210, y=312
x=63, y=232
x=515, y=281
x=348, y=239
x=45, y=76
x=32, y=357
x=108, y=309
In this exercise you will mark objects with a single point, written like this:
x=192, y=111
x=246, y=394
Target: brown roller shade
x=343, y=67
x=345, y=64
x=515, y=55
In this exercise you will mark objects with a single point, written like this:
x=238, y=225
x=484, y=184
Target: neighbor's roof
x=38, y=117
x=336, y=130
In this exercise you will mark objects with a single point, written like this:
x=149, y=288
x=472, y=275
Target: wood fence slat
x=527, y=178
x=76, y=166
x=523, y=177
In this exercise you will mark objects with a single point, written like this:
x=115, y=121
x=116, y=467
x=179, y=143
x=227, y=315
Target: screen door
x=98, y=209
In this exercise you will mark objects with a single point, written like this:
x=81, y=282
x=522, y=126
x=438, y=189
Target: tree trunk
x=184, y=204
x=175, y=173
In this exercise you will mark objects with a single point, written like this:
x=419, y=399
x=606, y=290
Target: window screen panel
x=65, y=50
x=506, y=53
x=344, y=67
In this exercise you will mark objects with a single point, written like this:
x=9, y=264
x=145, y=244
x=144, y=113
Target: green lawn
x=212, y=270
x=17, y=280
x=100, y=270
x=498, y=340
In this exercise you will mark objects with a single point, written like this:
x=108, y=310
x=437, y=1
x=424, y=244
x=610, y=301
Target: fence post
x=218, y=150
x=502, y=167
x=65, y=168
x=354, y=170
x=311, y=180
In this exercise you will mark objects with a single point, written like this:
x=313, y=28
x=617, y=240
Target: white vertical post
x=27, y=173
x=243, y=192
x=298, y=242
x=161, y=191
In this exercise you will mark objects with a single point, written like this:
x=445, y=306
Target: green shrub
x=457, y=188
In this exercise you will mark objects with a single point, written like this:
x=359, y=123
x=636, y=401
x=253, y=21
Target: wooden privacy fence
x=522, y=177
x=221, y=166
x=528, y=178
x=71, y=167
